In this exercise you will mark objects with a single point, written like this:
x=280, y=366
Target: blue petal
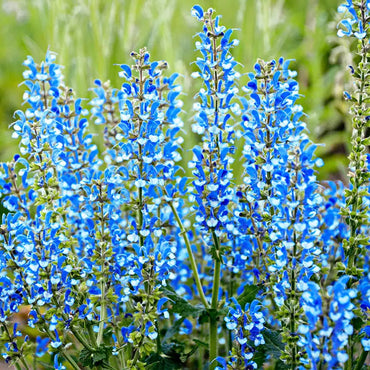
x=347, y=31
x=126, y=71
x=197, y=12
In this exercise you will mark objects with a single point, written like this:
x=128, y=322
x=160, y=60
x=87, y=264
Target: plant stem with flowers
x=357, y=209
x=360, y=111
x=212, y=162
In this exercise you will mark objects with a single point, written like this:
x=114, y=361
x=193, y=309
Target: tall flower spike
x=318, y=333
x=33, y=235
x=278, y=211
x=357, y=207
x=246, y=326
x=214, y=122
x=146, y=159
x=211, y=162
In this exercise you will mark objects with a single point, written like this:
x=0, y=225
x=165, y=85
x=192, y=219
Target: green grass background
x=91, y=35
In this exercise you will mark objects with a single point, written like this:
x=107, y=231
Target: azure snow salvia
x=119, y=261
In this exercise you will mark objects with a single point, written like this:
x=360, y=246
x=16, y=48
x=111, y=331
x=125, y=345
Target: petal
x=197, y=12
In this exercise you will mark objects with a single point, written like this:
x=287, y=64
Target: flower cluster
x=357, y=207
x=246, y=326
x=67, y=225
x=213, y=120
x=356, y=24
x=278, y=207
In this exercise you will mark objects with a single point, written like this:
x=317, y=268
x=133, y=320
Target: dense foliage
x=118, y=261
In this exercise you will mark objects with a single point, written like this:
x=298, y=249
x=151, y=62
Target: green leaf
x=281, y=366
x=180, y=305
x=272, y=348
x=215, y=253
x=273, y=343
x=173, y=349
x=249, y=294
x=107, y=333
x=358, y=323
x=45, y=365
x=201, y=343
x=173, y=330
x=185, y=357
x=366, y=141
x=86, y=358
x=203, y=317
x=162, y=362
x=98, y=357
x=3, y=210
x=259, y=357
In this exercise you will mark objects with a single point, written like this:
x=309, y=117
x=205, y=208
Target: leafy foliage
x=99, y=357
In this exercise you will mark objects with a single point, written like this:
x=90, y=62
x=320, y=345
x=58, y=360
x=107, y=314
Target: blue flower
x=42, y=346
x=357, y=22
x=57, y=365
x=364, y=289
x=56, y=343
x=197, y=12
x=246, y=326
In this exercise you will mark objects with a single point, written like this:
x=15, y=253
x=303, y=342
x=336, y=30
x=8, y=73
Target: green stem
x=213, y=318
x=21, y=358
x=359, y=129
x=191, y=256
x=361, y=360
x=213, y=339
x=91, y=334
x=71, y=361
x=137, y=353
x=217, y=272
x=216, y=284
x=231, y=293
x=320, y=367
x=121, y=355
x=103, y=310
x=79, y=336
x=349, y=363
x=63, y=352
x=292, y=306
x=99, y=339
x=292, y=296
x=52, y=336
x=81, y=339
x=140, y=190
x=24, y=363
x=260, y=251
x=159, y=346
x=148, y=309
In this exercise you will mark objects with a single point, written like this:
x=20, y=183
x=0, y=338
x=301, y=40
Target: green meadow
x=91, y=36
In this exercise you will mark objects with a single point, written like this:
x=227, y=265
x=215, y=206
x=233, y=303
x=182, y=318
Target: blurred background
x=90, y=36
